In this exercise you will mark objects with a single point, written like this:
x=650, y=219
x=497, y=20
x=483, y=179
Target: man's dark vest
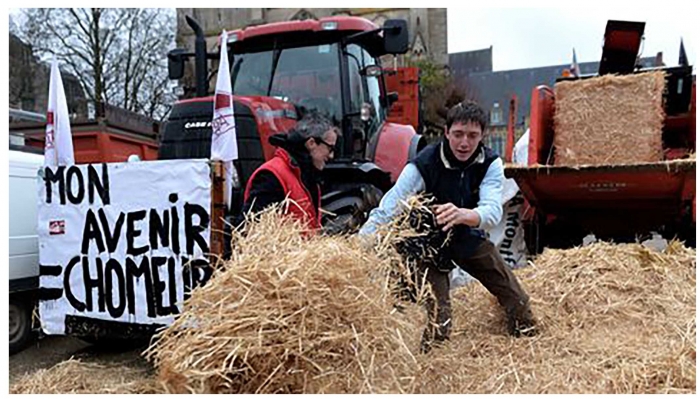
x=459, y=186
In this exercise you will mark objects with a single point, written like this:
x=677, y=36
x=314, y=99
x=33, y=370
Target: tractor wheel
x=348, y=208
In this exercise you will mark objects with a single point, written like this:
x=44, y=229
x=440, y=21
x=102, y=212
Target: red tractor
x=281, y=70
x=620, y=202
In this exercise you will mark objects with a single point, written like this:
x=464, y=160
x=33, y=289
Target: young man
x=466, y=179
x=294, y=171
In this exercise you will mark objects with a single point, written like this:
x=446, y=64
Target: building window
x=496, y=114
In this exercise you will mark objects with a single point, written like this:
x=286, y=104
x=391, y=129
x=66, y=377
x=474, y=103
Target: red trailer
x=621, y=202
x=112, y=138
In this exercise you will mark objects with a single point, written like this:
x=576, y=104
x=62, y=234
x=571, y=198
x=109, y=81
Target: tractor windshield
x=306, y=76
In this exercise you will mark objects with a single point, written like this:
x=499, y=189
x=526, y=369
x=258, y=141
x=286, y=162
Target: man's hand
x=450, y=215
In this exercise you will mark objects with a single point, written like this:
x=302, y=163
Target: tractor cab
x=330, y=65
x=280, y=71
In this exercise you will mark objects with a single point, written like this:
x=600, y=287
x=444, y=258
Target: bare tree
x=119, y=55
x=439, y=92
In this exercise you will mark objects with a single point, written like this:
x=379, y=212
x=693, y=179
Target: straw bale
x=289, y=314
x=609, y=120
x=77, y=376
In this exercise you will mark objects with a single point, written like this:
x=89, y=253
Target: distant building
x=29, y=82
x=467, y=62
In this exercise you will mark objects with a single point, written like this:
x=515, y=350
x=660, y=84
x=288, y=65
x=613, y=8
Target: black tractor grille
x=187, y=135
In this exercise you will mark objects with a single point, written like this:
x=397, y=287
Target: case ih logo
x=57, y=227
x=196, y=125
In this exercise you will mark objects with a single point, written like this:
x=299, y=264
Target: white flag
x=58, y=148
x=224, y=146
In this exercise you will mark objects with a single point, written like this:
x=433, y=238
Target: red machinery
x=613, y=201
x=112, y=138
x=406, y=110
x=281, y=70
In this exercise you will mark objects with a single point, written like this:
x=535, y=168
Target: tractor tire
x=20, y=331
x=347, y=208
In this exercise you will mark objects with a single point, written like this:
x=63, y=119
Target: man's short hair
x=313, y=125
x=465, y=112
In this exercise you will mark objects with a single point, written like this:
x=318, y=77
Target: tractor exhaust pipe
x=200, y=57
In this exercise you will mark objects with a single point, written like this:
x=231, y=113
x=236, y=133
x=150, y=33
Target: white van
x=24, y=246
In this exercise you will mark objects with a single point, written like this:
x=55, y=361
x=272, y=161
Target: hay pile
x=76, y=376
x=290, y=315
x=294, y=315
x=316, y=315
x=613, y=319
x=609, y=120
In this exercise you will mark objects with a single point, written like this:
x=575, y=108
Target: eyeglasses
x=331, y=148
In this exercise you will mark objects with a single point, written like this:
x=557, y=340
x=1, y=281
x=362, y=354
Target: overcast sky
x=533, y=37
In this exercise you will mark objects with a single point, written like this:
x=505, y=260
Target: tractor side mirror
x=372, y=71
x=176, y=63
x=395, y=36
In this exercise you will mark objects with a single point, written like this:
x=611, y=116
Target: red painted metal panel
x=392, y=149
x=404, y=81
x=541, y=132
x=692, y=119
x=344, y=24
x=621, y=186
x=119, y=148
x=268, y=118
x=95, y=146
x=197, y=100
